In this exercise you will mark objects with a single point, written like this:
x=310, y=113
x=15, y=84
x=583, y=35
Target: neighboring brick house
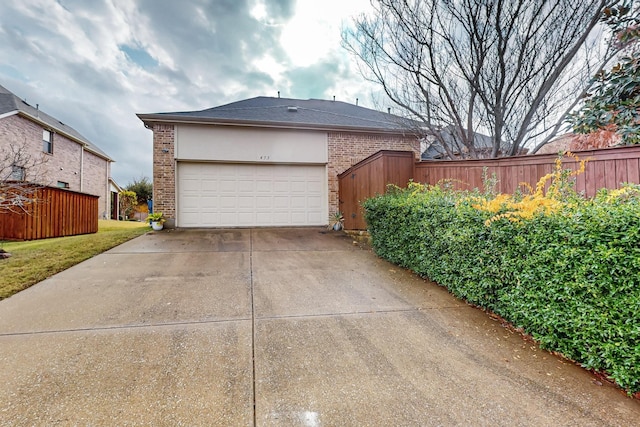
x=603, y=138
x=264, y=161
x=72, y=161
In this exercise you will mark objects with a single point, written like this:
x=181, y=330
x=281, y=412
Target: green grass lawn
x=36, y=260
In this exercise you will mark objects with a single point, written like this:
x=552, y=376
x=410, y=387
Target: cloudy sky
x=95, y=64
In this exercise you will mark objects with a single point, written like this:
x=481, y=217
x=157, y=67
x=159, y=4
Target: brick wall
x=65, y=164
x=96, y=171
x=347, y=149
x=164, y=172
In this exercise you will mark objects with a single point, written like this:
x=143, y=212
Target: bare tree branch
x=508, y=69
x=22, y=174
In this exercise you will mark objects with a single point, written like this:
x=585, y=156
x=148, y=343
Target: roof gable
x=9, y=103
x=288, y=112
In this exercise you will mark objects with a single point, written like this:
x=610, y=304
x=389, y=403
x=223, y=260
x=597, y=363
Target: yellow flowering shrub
x=626, y=192
x=541, y=200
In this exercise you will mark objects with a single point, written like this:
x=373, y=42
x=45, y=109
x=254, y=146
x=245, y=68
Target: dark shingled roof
x=10, y=103
x=287, y=112
x=435, y=150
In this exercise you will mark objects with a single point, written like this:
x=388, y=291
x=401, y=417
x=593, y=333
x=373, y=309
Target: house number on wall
x=265, y=157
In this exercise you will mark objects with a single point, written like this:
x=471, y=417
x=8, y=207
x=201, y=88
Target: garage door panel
x=207, y=183
x=314, y=204
x=298, y=187
x=246, y=195
x=205, y=203
x=264, y=203
x=262, y=186
x=263, y=217
x=281, y=202
x=245, y=202
x=315, y=186
x=191, y=185
x=189, y=217
x=299, y=202
x=299, y=218
x=210, y=216
x=228, y=202
x=270, y=173
x=227, y=184
x=315, y=218
x=225, y=217
x=284, y=189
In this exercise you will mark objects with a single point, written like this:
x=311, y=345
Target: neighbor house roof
x=603, y=138
x=10, y=104
x=436, y=151
x=288, y=112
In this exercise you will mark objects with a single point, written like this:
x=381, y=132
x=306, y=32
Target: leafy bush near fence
x=567, y=274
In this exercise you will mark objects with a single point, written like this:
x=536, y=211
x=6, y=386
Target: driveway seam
x=122, y=327
x=357, y=313
x=253, y=329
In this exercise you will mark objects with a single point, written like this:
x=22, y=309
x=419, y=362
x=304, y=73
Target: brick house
x=72, y=162
x=263, y=161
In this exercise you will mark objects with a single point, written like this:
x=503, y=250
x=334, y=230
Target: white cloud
x=67, y=56
x=259, y=11
x=314, y=30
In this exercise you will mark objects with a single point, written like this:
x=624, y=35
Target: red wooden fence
x=607, y=168
x=57, y=213
x=368, y=178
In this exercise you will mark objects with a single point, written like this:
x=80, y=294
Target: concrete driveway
x=273, y=327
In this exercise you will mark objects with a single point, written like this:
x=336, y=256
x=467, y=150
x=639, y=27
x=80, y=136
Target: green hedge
x=570, y=278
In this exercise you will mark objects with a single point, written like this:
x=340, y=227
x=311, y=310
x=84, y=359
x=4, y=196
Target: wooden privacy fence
x=57, y=213
x=607, y=168
x=368, y=178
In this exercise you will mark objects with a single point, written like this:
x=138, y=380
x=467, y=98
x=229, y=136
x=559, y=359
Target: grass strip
x=36, y=260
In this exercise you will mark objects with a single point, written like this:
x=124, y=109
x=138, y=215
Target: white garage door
x=246, y=195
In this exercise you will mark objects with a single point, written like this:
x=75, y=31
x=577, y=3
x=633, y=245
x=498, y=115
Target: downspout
x=107, y=201
x=82, y=169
